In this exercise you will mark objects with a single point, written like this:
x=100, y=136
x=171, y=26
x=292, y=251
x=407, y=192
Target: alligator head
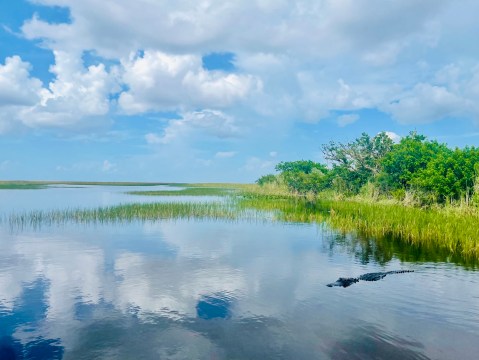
x=344, y=282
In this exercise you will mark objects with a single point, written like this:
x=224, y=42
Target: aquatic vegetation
x=450, y=234
x=131, y=212
x=455, y=232
x=8, y=185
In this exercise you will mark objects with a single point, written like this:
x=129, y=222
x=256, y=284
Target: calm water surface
x=60, y=197
x=221, y=290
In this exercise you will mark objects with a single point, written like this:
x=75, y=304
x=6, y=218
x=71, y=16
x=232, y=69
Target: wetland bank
x=225, y=271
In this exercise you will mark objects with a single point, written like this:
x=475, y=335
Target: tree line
x=414, y=169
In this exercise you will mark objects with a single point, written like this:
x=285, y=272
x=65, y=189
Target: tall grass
x=445, y=230
x=455, y=232
x=131, y=212
x=20, y=186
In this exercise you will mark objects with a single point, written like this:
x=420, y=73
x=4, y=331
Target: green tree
x=267, y=179
x=450, y=174
x=401, y=165
x=357, y=162
x=303, y=176
x=300, y=166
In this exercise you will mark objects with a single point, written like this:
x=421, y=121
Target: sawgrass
x=20, y=186
x=226, y=210
x=451, y=231
x=455, y=232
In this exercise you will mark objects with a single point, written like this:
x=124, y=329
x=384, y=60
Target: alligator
x=345, y=282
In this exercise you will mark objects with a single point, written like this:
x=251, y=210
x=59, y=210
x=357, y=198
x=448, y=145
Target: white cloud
x=426, y=103
x=18, y=92
x=159, y=81
x=75, y=93
x=152, y=138
x=17, y=88
x=313, y=28
x=299, y=60
x=211, y=123
x=393, y=136
x=258, y=166
x=347, y=119
x=320, y=96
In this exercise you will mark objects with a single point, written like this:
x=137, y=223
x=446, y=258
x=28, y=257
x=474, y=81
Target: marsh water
x=215, y=289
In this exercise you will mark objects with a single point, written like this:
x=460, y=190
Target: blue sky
x=223, y=90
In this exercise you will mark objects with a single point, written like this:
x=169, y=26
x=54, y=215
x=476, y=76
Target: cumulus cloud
x=347, y=119
x=452, y=92
x=318, y=28
x=18, y=92
x=393, y=136
x=211, y=123
x=426, y=103
x=295, y=59
x=76, y=92
x=152, y=138
x=258, y=166
x=318, y=97
x=159, y=81
x=17, y=87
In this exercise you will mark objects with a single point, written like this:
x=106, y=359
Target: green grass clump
x=129, y=213
x=458, y=233
x=440, y=230
x=20, y=185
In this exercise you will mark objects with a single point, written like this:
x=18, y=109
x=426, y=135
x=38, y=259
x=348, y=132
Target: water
x=224, y=290
x=60, y=197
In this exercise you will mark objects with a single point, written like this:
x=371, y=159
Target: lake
x=217, y=289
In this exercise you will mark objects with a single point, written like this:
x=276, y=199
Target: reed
x=458, y=233
x=20, y=186
x=447, y=230
x=129, y=213
x=450, y=229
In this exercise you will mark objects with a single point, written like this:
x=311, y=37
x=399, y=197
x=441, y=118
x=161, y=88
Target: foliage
x=358, y=162
x=401, y=165
x=267, y=179
x=300, y=166
x=450, y=174
x=303, y=176
x=415, y=171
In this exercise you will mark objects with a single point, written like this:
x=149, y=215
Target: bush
x=267, y=179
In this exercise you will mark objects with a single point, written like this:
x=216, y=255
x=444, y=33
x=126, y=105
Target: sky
x=221, y=90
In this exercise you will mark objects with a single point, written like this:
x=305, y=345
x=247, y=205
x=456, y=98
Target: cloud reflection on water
x=200, y=289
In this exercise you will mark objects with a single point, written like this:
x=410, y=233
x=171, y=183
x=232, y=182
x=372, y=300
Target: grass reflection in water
x=453, y=235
